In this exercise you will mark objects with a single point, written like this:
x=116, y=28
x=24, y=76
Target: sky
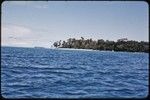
x=41, y=23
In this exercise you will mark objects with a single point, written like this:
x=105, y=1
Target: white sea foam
x=74, y=49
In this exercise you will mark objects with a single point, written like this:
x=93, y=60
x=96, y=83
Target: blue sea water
x=55, y=73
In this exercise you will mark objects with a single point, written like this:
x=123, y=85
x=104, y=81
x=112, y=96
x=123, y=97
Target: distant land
x=39, y=47
x=121, y=45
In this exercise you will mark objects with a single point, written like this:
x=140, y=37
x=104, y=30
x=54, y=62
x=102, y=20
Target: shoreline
x=73, y=49
x=76, y=49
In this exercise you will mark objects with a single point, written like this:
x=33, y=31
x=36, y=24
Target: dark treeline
x=100, y=44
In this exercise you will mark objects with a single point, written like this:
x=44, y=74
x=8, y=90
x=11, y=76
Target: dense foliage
x=100, y=44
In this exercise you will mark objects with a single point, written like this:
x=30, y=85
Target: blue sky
x=40, y=23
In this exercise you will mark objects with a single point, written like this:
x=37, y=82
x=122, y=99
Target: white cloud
x=15, y=34
x=15, y=30
x=16, y=42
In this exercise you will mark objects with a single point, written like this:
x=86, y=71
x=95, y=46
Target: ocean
x=60, y=73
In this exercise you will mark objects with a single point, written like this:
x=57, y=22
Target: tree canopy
x=100, y=44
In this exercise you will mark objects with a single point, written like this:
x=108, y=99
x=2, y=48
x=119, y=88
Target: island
x=120, y=45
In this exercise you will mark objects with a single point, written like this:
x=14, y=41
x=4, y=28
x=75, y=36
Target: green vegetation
x=100, y=44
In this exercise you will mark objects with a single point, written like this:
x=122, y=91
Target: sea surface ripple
x=54, y=73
